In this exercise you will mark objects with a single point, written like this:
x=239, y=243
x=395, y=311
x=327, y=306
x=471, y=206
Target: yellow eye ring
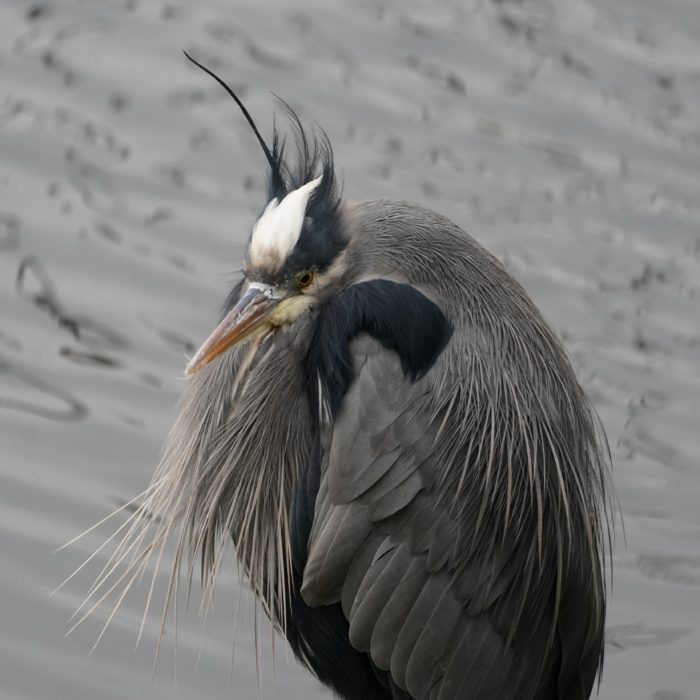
x=304, y=279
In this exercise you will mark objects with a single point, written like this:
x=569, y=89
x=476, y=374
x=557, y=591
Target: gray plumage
x=450, y=509
x=416, y=485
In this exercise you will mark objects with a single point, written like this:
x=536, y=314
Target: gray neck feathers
x=230, y=465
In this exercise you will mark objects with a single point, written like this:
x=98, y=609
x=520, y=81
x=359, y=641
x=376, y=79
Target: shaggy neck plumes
x=222, y=471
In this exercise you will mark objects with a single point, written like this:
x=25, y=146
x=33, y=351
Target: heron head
x=294, y=253
x=293, y=257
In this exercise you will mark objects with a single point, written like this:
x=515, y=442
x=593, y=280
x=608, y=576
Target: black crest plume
x=274, y=157
x=323, y=235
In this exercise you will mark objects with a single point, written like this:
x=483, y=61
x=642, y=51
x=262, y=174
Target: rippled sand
x=565, y=136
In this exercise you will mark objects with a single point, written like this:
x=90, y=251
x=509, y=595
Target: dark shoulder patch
x=397, y=315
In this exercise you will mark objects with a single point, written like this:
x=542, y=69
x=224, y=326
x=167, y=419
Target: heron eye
x=304, y=279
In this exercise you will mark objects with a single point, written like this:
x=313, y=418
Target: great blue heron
x=415, y=483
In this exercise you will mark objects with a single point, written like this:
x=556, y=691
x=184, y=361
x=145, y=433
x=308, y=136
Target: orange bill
x=249, y=318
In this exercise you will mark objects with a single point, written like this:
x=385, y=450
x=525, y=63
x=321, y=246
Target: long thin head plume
x=314, y=157
x=274, y=157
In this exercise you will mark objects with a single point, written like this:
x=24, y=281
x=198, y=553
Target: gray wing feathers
x=427, y=656
x=344, y=530
x=379, y=546
x=391, y=619
x=429, y=626
x=373, y=594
